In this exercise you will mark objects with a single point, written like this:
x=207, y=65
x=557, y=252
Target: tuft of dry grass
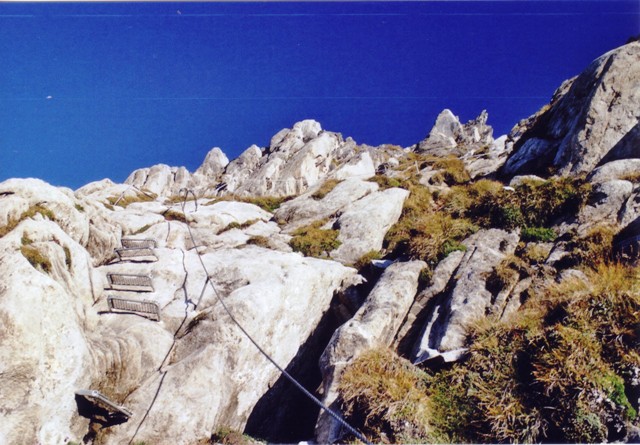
x=451, y=168
x=267, y=203
x=385, y=182
x=366, y=259
x=592, y=248
x=326, y=187
x=174, y=215
x=124, y=200
x=385, y=397
x=35, y=258
x=32, y=211
x=237, y=225
x=260, y=241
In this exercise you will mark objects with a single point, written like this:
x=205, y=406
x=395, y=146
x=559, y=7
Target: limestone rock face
x=261, y=287
x=375, y=324
x=186, y=375
x=592, y=120
x=305, y=208
x=469, y=296
x=44, y=354
x=364, y=224
x=240, y=169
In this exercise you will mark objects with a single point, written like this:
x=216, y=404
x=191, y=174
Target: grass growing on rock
x=237, y=225
x=385, y=182
x=36, y=258
x=366, y=259
x=386, y=397
x=558, y=371
x=37, y=209
x=174, y=215
x=267, y=203
x=326, y=187
x=314, y=241
x=425, y=232
x=124, y=200
x=228, y=436
x=260, y=241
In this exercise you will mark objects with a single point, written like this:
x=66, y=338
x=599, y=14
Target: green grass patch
x=268, y=203
x=385, y=182
x=228, y=436
x=557, y=371
x=385, y=397
x=537, y=234
x=366, y=259
x=237, y=225
x=313, y=241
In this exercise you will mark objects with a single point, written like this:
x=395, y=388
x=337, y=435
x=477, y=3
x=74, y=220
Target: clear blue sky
x=95, y=90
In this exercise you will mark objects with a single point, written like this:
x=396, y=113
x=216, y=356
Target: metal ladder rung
x=145, y=308
x=138, y=243
x=130, y=282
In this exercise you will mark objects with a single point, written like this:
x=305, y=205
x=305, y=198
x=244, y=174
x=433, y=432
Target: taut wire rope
x=289, y=377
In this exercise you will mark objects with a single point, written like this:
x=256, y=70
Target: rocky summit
x=463, y=289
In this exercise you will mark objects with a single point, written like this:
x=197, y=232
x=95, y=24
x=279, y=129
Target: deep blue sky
x=94, y=90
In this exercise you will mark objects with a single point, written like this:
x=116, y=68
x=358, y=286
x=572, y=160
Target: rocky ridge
x=193, y=372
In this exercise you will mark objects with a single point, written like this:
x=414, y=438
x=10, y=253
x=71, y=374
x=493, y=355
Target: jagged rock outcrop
x=375, y=324
x=448, y=136
x=215, y=376
x=472, y=142
x=160, y=179
x=213, y=165
x=592, y=120
x=296, y=159
x=241, y=169
x=416, y=316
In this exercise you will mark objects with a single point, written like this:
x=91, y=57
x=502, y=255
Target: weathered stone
x=214, y=354
x=469, y=297
x=592, y=120
x=364, y=223
x=415, y=319
x=304, y=209
x=449, y=137
x=213, y=164
x=375, y=324
x=606, y=202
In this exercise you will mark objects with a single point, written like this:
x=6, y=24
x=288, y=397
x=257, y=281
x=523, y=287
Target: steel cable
x=315, y=400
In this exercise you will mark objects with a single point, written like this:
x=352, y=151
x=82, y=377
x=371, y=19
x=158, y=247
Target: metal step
x=145, y=308
x=130, y=282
